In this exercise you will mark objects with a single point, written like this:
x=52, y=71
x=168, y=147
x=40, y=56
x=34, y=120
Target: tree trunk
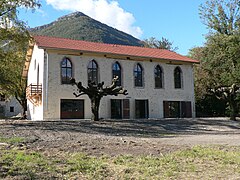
x=233, y=110
x=23, y=102
x=95, y=102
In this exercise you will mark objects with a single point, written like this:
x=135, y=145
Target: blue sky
x=176, y=20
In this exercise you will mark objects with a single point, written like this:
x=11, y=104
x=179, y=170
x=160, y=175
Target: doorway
x=120, y=109
x=72, y=109
x=141, y=109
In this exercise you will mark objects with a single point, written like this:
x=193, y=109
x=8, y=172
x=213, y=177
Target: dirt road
x=114, y=137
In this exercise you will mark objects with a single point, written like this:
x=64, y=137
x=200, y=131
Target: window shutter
x=126, y=109
x=166, y=109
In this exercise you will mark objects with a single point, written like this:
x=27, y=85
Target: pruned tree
x=229, y=94
x=96, y=92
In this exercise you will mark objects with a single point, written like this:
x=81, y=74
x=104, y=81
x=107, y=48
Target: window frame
x=117, y=72
x=158, y=67
x=90, y=70
x=11, y=109
x=66, y=68
x=136, y=69
x=178, y=78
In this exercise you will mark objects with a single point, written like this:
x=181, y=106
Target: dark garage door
x=72, y=109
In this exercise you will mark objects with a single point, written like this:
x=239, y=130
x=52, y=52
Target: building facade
x=159, y=82
x=9, y=107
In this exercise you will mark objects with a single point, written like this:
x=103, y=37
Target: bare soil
x=115, y=137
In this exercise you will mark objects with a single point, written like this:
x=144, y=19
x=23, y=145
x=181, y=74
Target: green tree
x=220, y=56
x=8, y=8
x=14, y=38
x=221, y=16
x=223, y=64
x=164, y=43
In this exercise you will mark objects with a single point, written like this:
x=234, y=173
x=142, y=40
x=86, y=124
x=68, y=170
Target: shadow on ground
x=136, y=128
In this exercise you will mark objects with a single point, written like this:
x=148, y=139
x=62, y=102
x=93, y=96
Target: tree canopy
x=8, y=8
x=222, y=16
x=218, y=72
x=164, y=43
x=14, y=38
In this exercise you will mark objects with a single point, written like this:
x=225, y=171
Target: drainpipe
x=45, y=107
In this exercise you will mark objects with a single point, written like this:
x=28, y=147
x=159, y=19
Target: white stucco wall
x=36, y=112
x=11, y=102
x=57, y=91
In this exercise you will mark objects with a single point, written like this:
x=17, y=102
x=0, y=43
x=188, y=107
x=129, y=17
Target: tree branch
x=77, y=95
x=3, y=13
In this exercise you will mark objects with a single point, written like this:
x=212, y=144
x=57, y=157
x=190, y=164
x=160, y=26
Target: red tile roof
x=85, y=46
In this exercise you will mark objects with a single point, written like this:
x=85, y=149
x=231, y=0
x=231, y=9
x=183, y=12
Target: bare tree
x=95, y=92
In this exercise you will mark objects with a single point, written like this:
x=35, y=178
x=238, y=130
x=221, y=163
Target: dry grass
x=194, y=163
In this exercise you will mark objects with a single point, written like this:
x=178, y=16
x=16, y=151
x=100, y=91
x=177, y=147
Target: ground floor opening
x=120, y=109
x=126, y=109
x=72, y=109
x=177, y=109
x=141, y=109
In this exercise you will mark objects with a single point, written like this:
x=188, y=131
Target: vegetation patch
x=24, y=165
x=11, y=140
x=193, y=163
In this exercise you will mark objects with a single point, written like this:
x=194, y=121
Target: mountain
x=79, y=26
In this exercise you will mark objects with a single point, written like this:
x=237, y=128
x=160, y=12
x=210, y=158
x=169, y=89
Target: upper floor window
x=93, y=72
x=178, y=77
x=116, y=71
x=138, y=75
x=66, y=67
x=158, y=75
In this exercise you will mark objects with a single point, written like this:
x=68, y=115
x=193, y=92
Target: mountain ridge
x=82, y=27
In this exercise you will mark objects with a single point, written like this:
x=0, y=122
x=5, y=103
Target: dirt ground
x=115, y=137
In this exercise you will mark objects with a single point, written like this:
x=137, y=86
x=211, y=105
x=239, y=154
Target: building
x=160, y=83
x=9, y=107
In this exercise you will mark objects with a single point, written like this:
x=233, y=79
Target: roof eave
x=121, y=55
x=28, y=58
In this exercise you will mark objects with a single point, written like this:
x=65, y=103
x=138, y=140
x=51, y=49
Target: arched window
x=66, y=67
x=158, y=75
x=178, y=77
x=116, y=71
x=93, y=72
x=138, y=75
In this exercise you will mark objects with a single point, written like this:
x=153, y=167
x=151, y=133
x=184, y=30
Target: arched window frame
x=92, y=70
x=117, y=71
x=158, y=77
x=138, y=75
x=66, y=70
x=178, y=79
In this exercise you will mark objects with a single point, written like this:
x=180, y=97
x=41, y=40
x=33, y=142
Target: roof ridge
x=104, y=43
x=51, y=41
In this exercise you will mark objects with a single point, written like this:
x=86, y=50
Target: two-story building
x=159, y=82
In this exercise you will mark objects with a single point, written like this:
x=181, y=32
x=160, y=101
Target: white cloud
x=41, y=12
x=108, y=12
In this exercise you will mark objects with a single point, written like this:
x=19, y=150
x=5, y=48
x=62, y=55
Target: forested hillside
x=81, y=27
